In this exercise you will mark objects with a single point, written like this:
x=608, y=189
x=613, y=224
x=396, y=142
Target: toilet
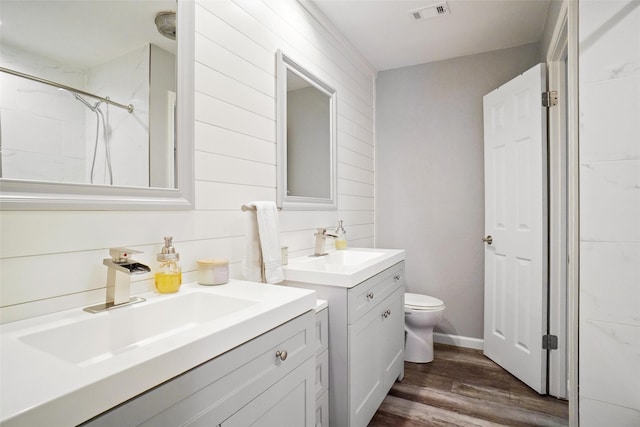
x=421, y=314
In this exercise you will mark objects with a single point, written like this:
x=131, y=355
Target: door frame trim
x=556, y=60
x=568, y=18
x=573, y=211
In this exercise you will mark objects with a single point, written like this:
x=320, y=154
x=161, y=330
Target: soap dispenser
x=341, y=237
x=169, y=274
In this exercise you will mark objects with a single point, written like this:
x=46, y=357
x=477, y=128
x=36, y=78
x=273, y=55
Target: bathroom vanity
x=232, y=355
x=365, y=291
x=268, y=381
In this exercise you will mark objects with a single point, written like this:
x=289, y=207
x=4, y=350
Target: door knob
x=488, y=240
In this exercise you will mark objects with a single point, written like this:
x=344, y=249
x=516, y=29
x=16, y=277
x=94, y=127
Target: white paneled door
x=515, y=299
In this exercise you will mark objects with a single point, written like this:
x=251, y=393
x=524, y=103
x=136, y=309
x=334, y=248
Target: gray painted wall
x=429, y=175
x=308, y=143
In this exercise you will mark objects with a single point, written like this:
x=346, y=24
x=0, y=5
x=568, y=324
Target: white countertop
x=321, y=304
x=331, y=271
x=38, y=388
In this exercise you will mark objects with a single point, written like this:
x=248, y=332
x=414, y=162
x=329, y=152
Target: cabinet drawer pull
x=370, y=296
x=386, y=313
x=281, y=354
x=396, y=277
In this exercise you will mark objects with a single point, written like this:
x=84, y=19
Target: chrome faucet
x=120, y=268
x=321, y=235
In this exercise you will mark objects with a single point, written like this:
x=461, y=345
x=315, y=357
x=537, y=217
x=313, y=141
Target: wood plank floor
x=462, y=387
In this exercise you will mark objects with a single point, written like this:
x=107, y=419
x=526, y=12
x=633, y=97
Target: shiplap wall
x=52, y=260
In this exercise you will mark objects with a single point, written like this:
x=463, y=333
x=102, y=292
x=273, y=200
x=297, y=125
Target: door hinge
x=549, y=98
x=549, y=342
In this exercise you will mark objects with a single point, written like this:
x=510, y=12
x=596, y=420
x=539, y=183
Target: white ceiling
x=384, y=32
x=90, y=32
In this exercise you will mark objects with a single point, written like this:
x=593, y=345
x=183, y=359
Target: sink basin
x=100, y=337
x=73, y=365
x=337, y=259
x=344, y=268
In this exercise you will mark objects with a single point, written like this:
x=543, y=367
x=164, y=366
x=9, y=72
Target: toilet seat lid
x=422, y=302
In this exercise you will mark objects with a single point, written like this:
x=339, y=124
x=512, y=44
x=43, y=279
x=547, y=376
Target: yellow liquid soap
x=167, y=283
x=341, y=244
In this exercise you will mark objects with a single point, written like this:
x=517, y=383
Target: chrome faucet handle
x=322, y=232
x=121, y=255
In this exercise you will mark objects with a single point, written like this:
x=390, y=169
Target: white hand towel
x=252, y=260
x=268, y=235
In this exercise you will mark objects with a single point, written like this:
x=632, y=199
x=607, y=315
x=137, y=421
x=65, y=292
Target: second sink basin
x=348, y=258
x=344, y=268
x=100, y=337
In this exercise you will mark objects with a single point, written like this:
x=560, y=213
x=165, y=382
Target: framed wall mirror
x=97, y=104
x=306, y=138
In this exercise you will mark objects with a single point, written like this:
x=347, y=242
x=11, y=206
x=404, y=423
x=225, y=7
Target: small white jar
x=213, y=271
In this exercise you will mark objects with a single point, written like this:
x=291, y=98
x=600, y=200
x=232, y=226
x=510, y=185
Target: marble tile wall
x=124, y=79
x=47, y=145
x=610, y=213
x=48, y=135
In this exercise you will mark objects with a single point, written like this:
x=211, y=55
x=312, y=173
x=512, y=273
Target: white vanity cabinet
x=366, y=343
x=322, y=368
x=376, y=343
x=256, y=384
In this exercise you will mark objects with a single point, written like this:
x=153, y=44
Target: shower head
x=166, y=23
x=85, y=102
x=81, y=99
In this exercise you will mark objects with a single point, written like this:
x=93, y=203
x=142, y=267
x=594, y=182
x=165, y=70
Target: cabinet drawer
x=223, y=385
x=369, y=293
x=322, y=331
x=322, y=373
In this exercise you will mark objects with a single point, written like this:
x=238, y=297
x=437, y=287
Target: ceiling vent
x=431, y=11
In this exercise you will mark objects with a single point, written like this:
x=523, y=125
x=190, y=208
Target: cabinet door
x=365, y=379
x=392, y=338
x=288, y=403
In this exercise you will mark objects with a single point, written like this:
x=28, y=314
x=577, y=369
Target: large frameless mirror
x=97, y=104
x=306, y=137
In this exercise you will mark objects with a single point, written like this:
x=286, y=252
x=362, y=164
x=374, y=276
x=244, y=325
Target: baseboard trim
x=458, y=341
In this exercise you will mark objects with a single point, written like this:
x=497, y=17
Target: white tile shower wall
x=124, y=79
x=54, y=143
x=610, y=213
x=51, y=260
x=48, y=145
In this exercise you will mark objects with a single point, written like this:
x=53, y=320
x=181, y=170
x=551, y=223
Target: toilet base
x=418, y=349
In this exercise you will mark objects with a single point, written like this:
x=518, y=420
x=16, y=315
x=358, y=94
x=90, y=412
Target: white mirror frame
x=284, y=200
x=40, y=195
